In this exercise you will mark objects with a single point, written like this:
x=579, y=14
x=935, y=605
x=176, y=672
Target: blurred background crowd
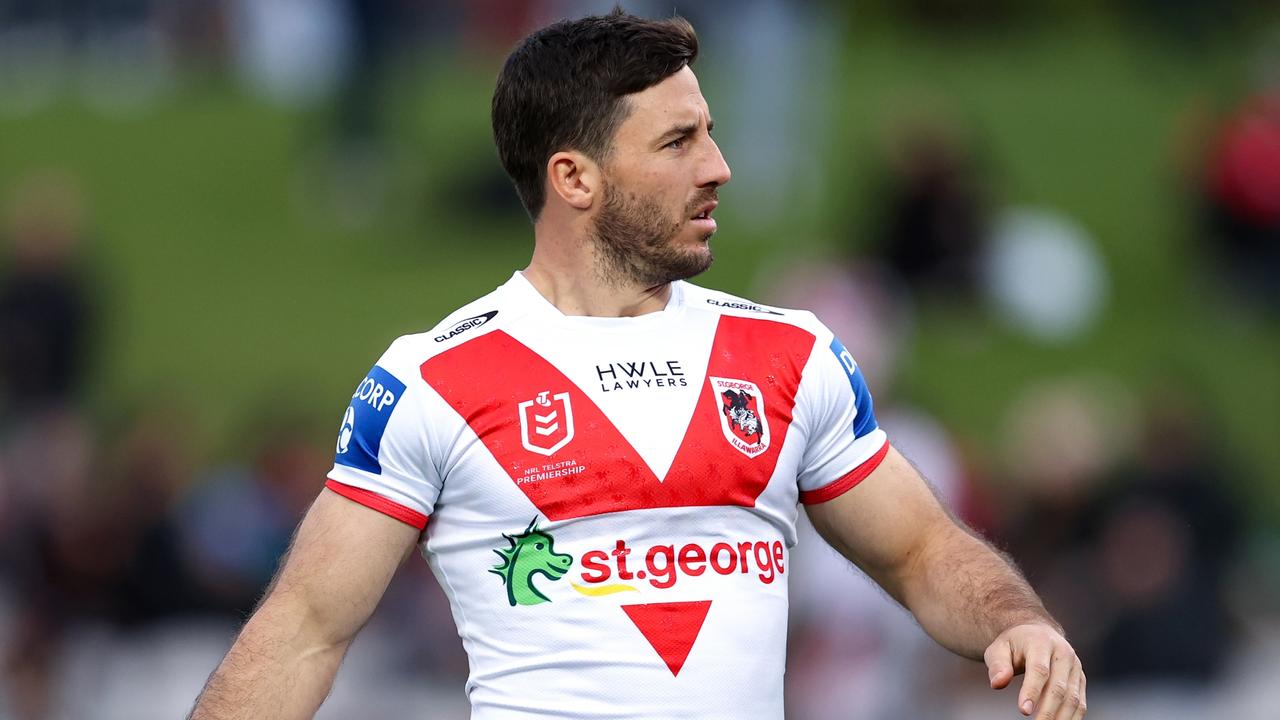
x=1050, y=233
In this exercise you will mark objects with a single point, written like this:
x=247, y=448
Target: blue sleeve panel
x=366, y=420
x=865, y=421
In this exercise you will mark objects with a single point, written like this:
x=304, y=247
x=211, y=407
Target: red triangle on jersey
x=671, y=628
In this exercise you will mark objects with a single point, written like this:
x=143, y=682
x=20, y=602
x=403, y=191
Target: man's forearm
x=277, y=668
x=964, y=592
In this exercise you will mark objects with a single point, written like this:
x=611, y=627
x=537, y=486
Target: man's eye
x=676, y=144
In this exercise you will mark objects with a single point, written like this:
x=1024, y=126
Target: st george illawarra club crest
x=742, y=416
x=546, y=423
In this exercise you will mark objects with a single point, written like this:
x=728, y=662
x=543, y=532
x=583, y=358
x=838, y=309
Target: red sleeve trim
x=373, y=500
x=835, y=489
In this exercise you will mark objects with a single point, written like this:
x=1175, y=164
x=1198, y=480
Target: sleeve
x=845, y=444
x=382, y=457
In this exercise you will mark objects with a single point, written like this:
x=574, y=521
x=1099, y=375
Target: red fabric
x=373, y=500
x=487, y=378
x=671, y=628
x=846, y=483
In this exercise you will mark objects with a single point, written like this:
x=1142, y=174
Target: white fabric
x=577, y=655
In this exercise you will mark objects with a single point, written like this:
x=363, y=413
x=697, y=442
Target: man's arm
x=284, y=661
x=965, y=594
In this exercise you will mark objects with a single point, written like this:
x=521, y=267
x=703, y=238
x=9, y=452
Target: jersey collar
x=525, y=296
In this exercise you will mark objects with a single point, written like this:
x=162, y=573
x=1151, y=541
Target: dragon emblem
x=740, y=414
x=532, y=552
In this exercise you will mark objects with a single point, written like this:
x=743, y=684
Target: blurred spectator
x=96, y=542
x=45, y=317
x=1062, y=439
x=1241, y=188
x=238, y=520
x=114, y=53
x=1044, y=275
x=46, y=445
x=934, y=220
x=1167, y=537
x=196, y=31
x=49, y=462
x=358, y=158
x=148, y=471
x=292, y=52
x=776, y=138
x=1131, y=554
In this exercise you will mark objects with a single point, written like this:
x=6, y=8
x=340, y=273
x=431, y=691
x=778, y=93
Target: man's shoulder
x=723, y=303
x=410, y=351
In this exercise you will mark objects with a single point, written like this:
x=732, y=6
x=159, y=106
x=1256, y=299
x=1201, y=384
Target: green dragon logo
x=531, y=552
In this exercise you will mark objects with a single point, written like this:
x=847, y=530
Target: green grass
x=1086, y=121
x=228, y=282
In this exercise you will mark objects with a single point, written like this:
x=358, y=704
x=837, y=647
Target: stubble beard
x=635, y=241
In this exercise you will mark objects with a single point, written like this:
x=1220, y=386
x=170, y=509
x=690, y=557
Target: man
x=611, y=458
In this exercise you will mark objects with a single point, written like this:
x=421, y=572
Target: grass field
x=229, y=285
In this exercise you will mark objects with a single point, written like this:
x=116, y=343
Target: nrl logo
x=742, y=415
x=546, y=423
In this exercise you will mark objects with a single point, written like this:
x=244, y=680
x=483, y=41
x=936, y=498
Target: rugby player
x=603, y=462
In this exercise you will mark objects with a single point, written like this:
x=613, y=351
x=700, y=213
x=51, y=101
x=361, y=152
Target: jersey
x=610, y=503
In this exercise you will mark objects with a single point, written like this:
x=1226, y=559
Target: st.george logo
x=546, y=422
x=742, y=415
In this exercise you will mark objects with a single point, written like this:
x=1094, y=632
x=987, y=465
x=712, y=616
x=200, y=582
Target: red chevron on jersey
x=499, y=386
x=671, y=628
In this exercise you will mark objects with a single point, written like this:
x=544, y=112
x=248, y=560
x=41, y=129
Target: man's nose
x=716, y=171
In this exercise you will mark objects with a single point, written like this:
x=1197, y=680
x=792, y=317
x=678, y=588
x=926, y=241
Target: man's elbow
x=927, y=558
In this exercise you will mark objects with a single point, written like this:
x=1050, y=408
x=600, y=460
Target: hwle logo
x=637, y=375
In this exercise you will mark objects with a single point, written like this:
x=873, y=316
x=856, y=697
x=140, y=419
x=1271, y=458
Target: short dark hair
x=563, y=88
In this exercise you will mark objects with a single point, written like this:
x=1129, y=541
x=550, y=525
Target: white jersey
x=610, y=503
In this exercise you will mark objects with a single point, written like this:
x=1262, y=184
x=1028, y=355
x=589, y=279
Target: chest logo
x=546, y=423
x=742, y=415
x=532, y=552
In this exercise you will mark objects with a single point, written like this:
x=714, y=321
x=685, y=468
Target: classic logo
x=741, y=306
x=465, y=325
x=532, y=552
x=742, y=416
x=546, y=423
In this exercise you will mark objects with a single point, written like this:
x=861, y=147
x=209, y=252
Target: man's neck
x=566, y=273
x=584, y=293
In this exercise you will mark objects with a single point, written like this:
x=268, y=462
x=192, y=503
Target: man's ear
x=574, y=177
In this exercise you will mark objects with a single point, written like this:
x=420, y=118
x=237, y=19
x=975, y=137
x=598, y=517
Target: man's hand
x=962, y=591
x=1054, y=683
